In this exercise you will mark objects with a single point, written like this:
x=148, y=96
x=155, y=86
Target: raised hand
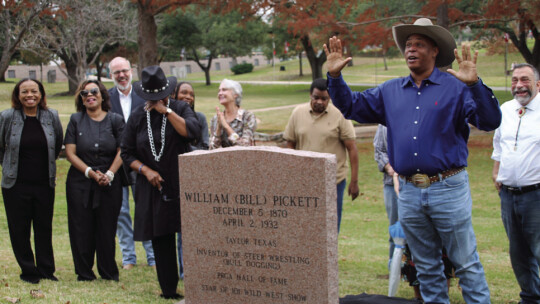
x=334, y=57
x=467, y=65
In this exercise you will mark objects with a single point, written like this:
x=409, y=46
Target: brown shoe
x=128, y=266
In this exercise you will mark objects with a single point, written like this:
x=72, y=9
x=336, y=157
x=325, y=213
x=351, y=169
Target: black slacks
x=26, y=206
x=166, y=267
x=92, y=229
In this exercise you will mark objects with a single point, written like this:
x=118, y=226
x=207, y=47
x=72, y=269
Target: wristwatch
x=169, y=111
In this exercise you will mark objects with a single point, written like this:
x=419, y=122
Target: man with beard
x=516, y=174
x=427, y=115
x=318, y=126
x=123, y=101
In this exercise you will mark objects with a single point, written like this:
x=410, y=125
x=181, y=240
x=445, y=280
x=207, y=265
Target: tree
x=310, y=22
x=147, y=29
x=517, y=18
x=79, y=34
x=16, y=19
x=206, y=35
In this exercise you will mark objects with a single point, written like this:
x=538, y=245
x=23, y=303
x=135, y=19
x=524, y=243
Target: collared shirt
x=244, y=125
x=125, y=102
x=427, y=125
x=518, y=151
x=381, y=153
x=325, y=132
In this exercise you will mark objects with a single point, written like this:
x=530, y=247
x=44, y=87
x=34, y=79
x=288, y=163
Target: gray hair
x=236, y=87
x=524, y=65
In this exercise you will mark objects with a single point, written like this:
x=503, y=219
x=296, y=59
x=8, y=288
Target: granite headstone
x=259, y=225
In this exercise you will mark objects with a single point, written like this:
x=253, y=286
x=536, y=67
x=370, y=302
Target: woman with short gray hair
x=234, y=126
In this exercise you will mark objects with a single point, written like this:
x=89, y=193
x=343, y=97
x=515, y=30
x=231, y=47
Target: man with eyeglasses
x=123, y=101
x=516, y=174
x=319, y=126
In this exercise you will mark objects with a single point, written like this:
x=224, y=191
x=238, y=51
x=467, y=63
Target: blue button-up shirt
x=427, y=125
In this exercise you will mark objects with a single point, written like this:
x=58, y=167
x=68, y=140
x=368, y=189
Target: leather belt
x=521, y=190
x=424, y=181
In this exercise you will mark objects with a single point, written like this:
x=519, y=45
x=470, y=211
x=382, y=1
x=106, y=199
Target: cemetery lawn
x=363, y=245
x=363, y=242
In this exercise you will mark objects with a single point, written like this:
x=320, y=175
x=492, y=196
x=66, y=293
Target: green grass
x=365, y=70
x=363, y=246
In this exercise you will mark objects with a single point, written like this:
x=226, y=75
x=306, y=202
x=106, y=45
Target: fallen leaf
x=12, y=300
x=37, y=293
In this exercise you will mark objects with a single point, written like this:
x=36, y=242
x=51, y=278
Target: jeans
x=340, y=189
x=180, y=257
x=438, y=216
x=390, y=202
x=124, y=232
x=521, y=218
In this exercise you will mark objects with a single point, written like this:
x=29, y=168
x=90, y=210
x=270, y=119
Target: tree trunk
x=71, y=68
x=146, y=38
x=4, y=64
x=315, y=62
x=99, y=68
x=300, y=60
x=206, y=68
x=532, y=58
x=384, y=60
x=71, y=73
x=442, y=20
x=348, y=53
x=207, y=71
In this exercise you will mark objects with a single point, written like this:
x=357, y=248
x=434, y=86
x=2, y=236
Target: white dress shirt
x=125, y=102
x=519, y=156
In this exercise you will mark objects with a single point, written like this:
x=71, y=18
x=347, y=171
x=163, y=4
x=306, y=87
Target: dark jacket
x=157, y=213
x=116, y=107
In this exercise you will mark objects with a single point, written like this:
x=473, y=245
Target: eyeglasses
x=125, y=71
x=93, y=91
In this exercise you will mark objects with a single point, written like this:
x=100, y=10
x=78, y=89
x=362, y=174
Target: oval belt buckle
x=421, y=180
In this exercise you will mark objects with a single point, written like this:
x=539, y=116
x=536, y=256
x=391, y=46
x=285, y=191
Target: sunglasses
x=93, y=91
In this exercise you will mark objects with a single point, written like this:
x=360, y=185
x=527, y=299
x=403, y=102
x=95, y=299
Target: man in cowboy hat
x=427, y=115
x=153, y=137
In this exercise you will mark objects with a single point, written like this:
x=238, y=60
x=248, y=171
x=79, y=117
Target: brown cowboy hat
x=423, y=26
x=154, y=85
